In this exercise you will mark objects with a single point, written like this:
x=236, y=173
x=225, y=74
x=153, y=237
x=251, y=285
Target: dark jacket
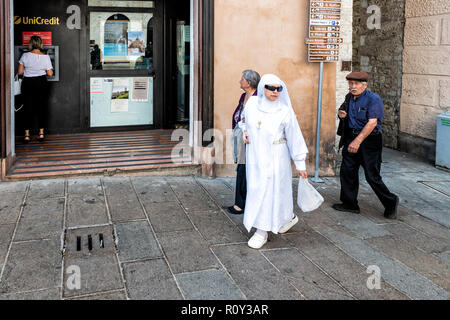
x=343, y=128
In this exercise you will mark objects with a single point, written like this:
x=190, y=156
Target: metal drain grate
x=88, y=241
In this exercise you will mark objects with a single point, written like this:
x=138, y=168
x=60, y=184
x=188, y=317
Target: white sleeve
x=295, y=141
x=22, y=59
x=49, y=63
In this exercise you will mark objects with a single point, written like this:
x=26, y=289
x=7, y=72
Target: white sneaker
x=257, y=241
x=289, y=225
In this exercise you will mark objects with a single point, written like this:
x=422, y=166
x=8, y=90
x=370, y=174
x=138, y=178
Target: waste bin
x=443, y=140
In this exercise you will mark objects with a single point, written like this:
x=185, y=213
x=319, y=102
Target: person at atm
x=35, y=66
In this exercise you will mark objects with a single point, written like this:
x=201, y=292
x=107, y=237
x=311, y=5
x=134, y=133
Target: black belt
x=356, y=132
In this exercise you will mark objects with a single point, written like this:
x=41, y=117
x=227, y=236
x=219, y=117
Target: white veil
x=264, y=104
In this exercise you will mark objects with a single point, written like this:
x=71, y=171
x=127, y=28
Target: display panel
x=124, y=101
x=121, y=41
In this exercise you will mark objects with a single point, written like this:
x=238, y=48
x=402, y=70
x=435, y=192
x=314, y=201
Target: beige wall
x=269, y=37
x=426, y=66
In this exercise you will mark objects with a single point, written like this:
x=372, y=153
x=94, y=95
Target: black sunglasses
x=272, y=88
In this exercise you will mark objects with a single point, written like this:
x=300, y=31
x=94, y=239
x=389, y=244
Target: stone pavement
x=171, y=238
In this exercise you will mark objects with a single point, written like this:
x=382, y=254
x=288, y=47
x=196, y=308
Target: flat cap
x=358, y=76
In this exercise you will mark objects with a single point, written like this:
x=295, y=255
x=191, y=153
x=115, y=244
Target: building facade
x=186, y=56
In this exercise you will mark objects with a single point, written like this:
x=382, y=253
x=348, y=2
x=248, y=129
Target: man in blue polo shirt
x=360, y=129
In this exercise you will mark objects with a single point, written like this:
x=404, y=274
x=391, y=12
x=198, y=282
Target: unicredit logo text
x=36, y=20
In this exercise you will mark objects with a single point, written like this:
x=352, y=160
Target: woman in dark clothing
x=249, y=83
x=35, y=66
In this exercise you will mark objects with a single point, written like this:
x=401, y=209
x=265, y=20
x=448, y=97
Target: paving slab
x=426, y=201
x=187, y=251
x=41, y=219
x=85, y=186
x=360, y=225
x=440, y=186
x=150, y=280
x=14, y=187
x=86, y=210
x=32, y=266
x=216, y=228
x=153, y=189
x=444, y=256
x=238, y=220
x=191, y=195
x=135, y=240
x=118, y=295
x=396, y=273
x=305, y=276
x=46, y=189
x=46, y=294
x=218, y=190
x=427, y=265
x=427, y=226
x=209, y=285
x=123, y=202
x=98, y=273
x=342, y=267
x=167, y=216
x=102, y=241
x=6, y=232
x=10, y=205
x=255, y=276
x=417, y=238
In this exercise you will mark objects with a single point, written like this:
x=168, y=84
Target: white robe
x=269, y=203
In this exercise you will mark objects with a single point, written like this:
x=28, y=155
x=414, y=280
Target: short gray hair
x=253, y=77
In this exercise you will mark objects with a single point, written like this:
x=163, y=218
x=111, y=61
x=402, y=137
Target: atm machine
x=52, y=51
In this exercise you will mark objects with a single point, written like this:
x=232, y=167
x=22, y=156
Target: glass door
x=122, y=66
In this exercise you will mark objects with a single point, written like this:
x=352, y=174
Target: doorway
x=123, y=86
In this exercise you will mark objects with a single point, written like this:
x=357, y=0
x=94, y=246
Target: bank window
x=121, y=40
x=122, y=4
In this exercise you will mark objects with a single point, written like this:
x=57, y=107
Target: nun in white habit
x=273, y=138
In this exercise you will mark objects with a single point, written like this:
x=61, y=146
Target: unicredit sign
x=36, y=20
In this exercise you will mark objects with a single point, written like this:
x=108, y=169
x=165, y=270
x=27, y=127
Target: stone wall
x=345, y=54
x=377, y=50
x=426, y=74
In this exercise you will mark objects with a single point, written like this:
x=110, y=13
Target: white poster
x=120, y=95
x=140, y=89
x=96, y=85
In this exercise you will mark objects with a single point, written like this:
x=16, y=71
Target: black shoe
x=234, y=211
x=345, y=208
x=392, y=212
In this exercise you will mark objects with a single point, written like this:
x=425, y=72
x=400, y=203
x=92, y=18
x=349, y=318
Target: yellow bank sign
x=36, y=20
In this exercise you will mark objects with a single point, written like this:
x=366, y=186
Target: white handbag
x=308, y=198
x=17, y=85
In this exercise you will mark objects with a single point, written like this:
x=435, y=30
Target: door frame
x=155, y=72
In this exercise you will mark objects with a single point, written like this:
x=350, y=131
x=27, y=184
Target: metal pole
x=319, y=120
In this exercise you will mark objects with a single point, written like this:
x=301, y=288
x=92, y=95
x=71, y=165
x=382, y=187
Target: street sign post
x=323, y=46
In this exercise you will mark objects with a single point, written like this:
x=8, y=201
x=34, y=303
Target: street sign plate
x=318, y=22
x=323, y=46
x=314, y=34
x=324, y=28
x=323, y=58
x=324, y=41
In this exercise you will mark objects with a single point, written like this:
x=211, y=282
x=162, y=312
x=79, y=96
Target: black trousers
x=35, y=95
x=241, y=186
x=369, y=156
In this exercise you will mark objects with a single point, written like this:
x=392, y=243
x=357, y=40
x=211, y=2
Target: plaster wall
x=269, y=36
